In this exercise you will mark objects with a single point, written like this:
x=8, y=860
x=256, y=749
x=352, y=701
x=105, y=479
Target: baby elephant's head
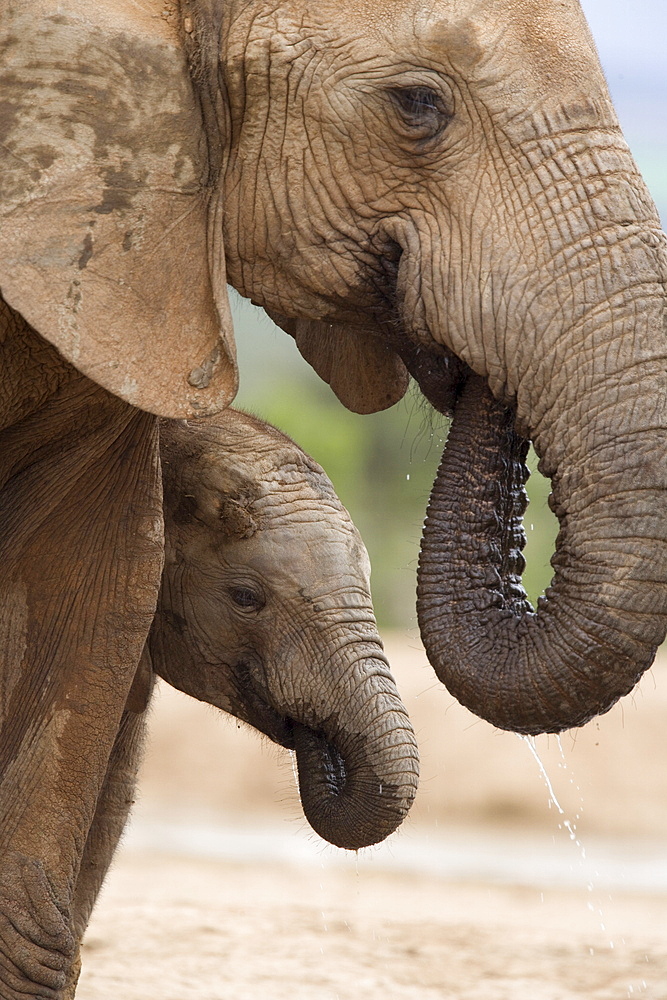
x=265, y=612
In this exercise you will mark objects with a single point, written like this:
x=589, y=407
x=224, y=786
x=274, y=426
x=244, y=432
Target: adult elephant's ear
x=365, y=374
x=104, y=204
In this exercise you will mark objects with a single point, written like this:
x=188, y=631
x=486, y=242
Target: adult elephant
x=438, y=189
x=444, y=188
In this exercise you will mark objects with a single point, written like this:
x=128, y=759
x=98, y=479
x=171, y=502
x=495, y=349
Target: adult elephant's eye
x=422, y=109
x=246, y=598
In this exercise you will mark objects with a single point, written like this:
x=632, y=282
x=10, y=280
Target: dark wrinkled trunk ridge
x=596, y=629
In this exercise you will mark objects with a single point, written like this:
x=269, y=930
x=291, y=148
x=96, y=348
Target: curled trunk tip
x=352, y=796
x=591, y=638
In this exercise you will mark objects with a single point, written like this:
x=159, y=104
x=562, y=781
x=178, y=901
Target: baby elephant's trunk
x=358, y=771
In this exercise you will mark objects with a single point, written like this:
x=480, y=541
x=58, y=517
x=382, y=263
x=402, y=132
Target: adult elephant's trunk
x=598, y=626
x=358, y=766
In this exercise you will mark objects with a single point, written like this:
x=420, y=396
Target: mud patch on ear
x=104, y=178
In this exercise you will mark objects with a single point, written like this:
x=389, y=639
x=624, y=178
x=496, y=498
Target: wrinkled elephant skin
x=439, y=190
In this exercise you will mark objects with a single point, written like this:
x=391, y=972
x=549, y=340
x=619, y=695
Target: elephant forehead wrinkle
x=280, y=499
x=325, y=521
x=534, y=47
x=303, y=481
x=326, y=536
x=420, y=32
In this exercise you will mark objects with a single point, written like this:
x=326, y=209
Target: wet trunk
x=598, y=626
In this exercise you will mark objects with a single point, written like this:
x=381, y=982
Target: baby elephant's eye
x=244, y=597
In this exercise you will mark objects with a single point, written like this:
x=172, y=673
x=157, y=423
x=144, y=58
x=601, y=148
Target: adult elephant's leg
x=81, y=557
x=113, y=806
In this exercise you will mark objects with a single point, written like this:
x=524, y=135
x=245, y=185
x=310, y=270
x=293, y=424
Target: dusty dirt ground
x=483, y=895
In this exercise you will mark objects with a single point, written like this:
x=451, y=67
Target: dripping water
x=569, y=825
x=530, y=743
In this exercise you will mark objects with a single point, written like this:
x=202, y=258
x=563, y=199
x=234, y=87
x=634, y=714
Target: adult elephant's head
x=441, y=189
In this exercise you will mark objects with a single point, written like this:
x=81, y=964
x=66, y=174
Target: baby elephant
x=265, y=612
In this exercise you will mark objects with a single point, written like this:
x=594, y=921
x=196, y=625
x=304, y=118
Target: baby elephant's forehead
x=299, y=483
x=305, y=535
x=311, y=552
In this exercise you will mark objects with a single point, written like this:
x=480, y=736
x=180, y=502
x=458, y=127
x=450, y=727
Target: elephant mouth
x=287, y=731
x=328, y=775
x=439, y=374
x=255, y=709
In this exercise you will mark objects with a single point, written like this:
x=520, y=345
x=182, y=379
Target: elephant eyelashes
x=422, y=110
x=247, y=599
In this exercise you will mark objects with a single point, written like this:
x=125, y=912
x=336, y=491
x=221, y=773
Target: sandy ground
x=488, y=892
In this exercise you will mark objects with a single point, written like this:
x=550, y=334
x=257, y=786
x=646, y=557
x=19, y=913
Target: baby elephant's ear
x=104, y=175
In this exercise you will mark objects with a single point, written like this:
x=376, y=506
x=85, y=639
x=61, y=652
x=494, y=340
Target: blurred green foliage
x=381, y=465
